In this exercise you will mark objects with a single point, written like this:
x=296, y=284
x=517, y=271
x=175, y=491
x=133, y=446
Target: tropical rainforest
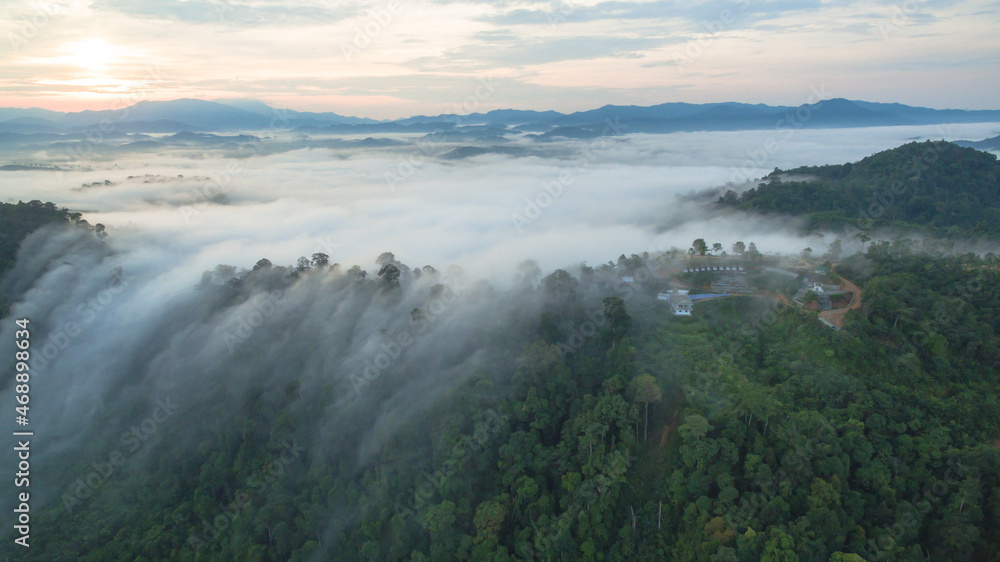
x=934, y=187
x=581, y=419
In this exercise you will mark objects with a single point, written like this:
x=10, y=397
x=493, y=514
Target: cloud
x=605, y=52
x=123, y=322
x=627, y=193
x=511, y=52
x=242, y=12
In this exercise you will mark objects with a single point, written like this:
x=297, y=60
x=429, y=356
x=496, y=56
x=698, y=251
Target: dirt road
x=836, y=317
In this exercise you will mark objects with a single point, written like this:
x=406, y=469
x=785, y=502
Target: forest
x=596, y=427
x=419, y=414
x=17, y=220
x=933, y=187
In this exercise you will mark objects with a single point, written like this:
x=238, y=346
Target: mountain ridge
x=249, y=114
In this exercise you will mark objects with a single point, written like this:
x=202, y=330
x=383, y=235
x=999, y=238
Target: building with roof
x=680, y=302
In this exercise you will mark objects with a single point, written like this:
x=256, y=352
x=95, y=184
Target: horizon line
x=338, y=111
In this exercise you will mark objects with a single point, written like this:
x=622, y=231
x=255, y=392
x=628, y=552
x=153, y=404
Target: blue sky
x=387, y=59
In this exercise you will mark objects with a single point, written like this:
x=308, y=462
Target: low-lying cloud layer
x=560, y=202
x=122, y=322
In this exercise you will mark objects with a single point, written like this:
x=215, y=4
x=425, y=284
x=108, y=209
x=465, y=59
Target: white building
x=666, y=296
x=680, y=302
x=681, y=305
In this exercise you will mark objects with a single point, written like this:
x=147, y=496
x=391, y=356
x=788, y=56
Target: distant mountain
x=42, y=139
x=195, y=114
x=172, y=117
x=680, y=117
x=8, y=113
x=187, y=137
x=663, y=111
x=367, y=128
x=986, y=144
x=252, y=115
x=294, y=118
x=495, y=117
x=28, y=125
x=926, y=116
x=251, y=105
x=159, y=126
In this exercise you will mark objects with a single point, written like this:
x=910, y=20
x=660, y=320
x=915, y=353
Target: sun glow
x=90, y=54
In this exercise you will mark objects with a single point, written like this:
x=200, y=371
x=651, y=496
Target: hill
x=985, y=144
x=21, y=219
x=938, y=187
x=746, y=432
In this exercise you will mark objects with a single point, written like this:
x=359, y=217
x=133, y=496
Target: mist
x=144, y=315
x=559, y=202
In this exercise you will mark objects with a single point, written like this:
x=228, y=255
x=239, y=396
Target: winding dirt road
x=836, y=317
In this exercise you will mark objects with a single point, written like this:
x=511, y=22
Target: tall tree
x=699, y=246
x=390, y=274
x=833, y=253
x=386, y=258
x=614, y=310
x=645, y=389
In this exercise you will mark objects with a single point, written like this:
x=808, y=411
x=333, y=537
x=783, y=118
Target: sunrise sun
x=91, y=54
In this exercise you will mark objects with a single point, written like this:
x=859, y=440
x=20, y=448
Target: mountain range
x=192, y=115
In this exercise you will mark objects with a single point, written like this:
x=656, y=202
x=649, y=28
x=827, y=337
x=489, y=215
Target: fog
x=122, y=322
x=486, y=213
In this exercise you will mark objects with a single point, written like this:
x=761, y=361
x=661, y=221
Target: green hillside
x=768, y=437
x=935, y=187
x=21, y=219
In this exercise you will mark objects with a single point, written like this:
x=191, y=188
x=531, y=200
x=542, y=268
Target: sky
x=390, y=59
